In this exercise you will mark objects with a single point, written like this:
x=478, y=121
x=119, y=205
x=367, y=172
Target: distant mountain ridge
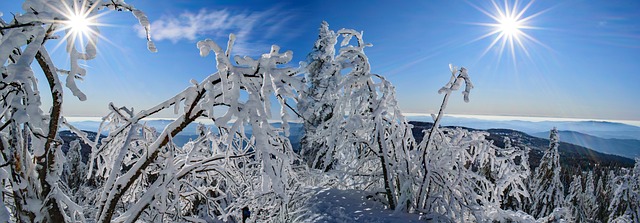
x=571, y=156
x=602, y=129
x=622, y=147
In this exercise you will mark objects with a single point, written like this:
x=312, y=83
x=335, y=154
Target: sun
x=79, y=20
x=509, y=28
x=79, y=24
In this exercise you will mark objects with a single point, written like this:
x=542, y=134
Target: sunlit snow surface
x=334, y=205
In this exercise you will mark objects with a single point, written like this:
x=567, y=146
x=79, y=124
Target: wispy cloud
x=250, y=28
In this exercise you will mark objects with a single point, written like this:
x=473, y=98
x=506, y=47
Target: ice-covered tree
x=462, y=176
x=448, y=187
x=603, y=197
x=625, y=203
x=138, y=172
x=470, y=179
x=457, y=77
x=589, y=199
x=360, y=140
x=75, y=169
x=547, y=189
x=453, y=190
x=29, y=139
x=146, y=172
x=352, y=122
x=510, y=174
x=318, y=99
x=573, y=201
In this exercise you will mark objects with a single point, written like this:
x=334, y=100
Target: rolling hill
x=571, y=156
x=629, y=148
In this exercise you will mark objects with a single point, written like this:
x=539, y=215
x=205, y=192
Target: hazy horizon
x=410, y=115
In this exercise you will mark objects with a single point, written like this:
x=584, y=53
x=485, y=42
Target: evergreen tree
x=75, y=170
x=317, y=100
x=625, y=203
x=589, y=200
x=601, y=195
x=368, y=141
x=548, y=191
x=513, y=175
x=573, y=201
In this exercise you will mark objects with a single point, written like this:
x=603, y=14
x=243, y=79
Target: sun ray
x=521, y=45
x=493, y=43
x=504, y=43
x=524, y=9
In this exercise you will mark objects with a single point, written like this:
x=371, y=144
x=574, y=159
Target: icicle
x=144, y=22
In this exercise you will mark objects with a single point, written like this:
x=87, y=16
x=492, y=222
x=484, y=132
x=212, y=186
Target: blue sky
x=585, y=63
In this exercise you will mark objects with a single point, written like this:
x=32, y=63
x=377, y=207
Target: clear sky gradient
x=584, y=62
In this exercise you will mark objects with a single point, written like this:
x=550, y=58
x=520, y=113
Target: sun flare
x=79, y=23
x=508, y=28
x=79, y=20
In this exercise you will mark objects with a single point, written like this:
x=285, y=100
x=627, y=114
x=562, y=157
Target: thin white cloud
x=218, y=24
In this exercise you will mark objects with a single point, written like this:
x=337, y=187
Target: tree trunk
x=385, y=172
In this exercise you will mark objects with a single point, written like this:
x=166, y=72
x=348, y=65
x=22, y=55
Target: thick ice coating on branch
x=144, y=22
x=457, y=77
x=29, y=134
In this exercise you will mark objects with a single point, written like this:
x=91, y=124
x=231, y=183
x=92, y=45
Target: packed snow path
x=334, y=205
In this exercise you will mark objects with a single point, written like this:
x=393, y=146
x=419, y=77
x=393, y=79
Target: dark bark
x=385, y=172
x=111, y=204
x=46, y=163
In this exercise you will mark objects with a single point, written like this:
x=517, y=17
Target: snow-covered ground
x=334, y=205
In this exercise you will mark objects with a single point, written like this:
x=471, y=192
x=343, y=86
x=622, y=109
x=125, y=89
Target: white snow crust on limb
x=456, y=81
x=28, y=134
x=354, y=130
x=547, y=189
x=625, y=204
x=247, y=170
x=454, y=84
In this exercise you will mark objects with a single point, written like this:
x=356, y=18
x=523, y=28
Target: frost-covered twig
x=273, y=153
x=457, y=76
x=23, y=42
